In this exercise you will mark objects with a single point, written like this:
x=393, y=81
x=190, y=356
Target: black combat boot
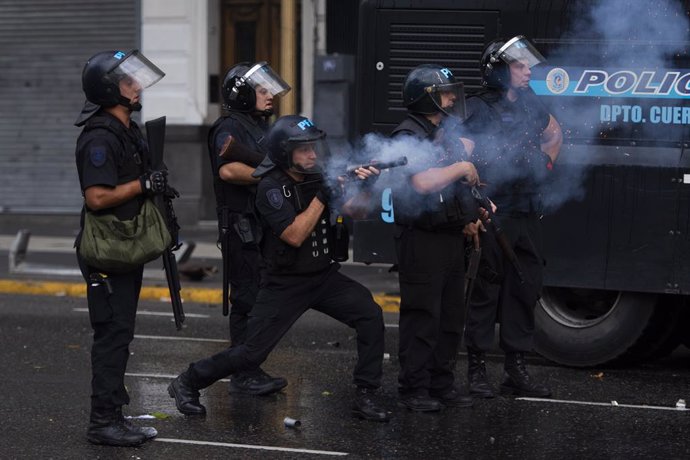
x=107, y=427
x=453, y=398
x=255, y=382
x=365, y=408
x=518, y=381
x=476, y=375
x=148, y=431
x=186, y=396
x=420, y=403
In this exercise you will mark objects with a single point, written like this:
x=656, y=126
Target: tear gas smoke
x=608, y=36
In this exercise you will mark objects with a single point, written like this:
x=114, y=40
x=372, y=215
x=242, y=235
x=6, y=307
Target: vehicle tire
x=585, y=327
x=669, y=324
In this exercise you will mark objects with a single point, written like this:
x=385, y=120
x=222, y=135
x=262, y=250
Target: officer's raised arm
x=435, y=179
x=303, y=225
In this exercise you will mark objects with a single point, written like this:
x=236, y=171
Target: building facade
x=46, y=43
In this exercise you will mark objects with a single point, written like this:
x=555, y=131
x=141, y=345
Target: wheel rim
x=579, y=308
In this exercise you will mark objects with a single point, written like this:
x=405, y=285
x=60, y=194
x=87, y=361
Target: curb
x=388, y=303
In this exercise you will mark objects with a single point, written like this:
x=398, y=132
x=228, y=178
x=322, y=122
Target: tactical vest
x=417, y=124
x=315, y=252
x=447, y=210
x=235, y=198
x=514, y=129
x=136, y=150
x=133, y=160
x=131, y=163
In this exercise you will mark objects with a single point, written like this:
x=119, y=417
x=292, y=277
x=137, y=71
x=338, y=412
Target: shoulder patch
x=97, y=156
x=275, y=198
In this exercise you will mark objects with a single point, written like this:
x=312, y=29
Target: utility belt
x=244, y=224
x=429, y=224
x=519, y=204
x=447, y=217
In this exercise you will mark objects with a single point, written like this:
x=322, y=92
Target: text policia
x=671, y=86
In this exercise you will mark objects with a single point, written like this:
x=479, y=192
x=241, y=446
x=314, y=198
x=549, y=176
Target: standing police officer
x=235, y=150
x=433, y=217
x=114, y=174
x=517, y=143
x=298, y=272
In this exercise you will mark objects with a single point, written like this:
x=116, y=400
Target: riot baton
x=155, y=135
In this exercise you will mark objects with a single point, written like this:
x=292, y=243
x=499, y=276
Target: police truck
x=617, y=217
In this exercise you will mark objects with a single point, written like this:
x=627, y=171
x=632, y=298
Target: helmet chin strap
x=136, y=107
x=301, y=170
x=441, y=110
x=264, y=113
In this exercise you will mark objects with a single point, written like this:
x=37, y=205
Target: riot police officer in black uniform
x=517, y=141
x=235, y=150
x=298, y=271
x=112, y=163
x=434, y=214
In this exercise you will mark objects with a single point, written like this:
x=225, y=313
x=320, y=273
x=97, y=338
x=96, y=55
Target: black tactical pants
x=244, y=285
x=281, y=301
x=112, y=320
x=499, y=293
x=432, y=270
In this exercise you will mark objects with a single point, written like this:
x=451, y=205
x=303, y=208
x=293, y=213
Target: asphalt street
x=608, y=412
x=603, y=413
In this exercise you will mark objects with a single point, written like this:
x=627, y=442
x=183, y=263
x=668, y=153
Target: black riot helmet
x=103, y=73
x=499, y=54
x=423, y=87
x=243, y=80
x=293, y=132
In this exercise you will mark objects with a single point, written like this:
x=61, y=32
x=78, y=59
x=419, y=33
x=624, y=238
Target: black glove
x=328, y=191
x=154, y=182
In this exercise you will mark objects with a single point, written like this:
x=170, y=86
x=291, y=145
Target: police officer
x=235, y=150
x=433, y=218
x=298, y=272
x=115, y=177
x=517, y=142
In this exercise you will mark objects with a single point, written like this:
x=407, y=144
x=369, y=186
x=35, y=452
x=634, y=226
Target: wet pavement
x=45, y=357
x=45, y=340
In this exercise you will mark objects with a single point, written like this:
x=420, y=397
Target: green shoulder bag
x=118, y=246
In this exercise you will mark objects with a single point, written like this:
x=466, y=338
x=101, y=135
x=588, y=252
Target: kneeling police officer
x=298, y=273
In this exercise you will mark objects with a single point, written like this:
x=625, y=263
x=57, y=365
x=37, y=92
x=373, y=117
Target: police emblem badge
x=275, y=198
x=97, y=156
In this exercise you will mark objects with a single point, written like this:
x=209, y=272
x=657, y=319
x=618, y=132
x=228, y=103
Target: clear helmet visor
x=519, y=49
x=262, y=77
x=449, y=98
x=308, y=156
x=137, y=69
